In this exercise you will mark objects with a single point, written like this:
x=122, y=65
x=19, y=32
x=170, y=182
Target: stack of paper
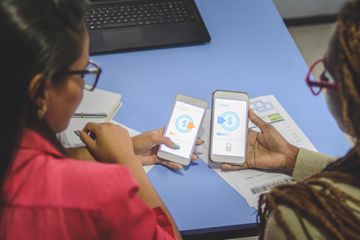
x=94, y=102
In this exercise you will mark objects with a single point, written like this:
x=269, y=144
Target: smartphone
x=229, y=126
x=183, y=128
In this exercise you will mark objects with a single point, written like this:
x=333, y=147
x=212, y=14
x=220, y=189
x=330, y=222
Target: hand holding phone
x=182, y=128
x=229, y=123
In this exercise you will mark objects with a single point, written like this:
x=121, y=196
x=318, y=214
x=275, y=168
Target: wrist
x=290, y=158
x=125, y=158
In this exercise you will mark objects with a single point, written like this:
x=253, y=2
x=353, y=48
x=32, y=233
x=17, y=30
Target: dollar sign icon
x=230, y=121
x=183, y=123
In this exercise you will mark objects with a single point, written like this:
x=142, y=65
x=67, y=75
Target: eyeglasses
x=90, y=75
x=319, y=78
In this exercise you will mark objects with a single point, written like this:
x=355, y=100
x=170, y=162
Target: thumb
x=89, y=142
x=160, y=139
x=257, y=120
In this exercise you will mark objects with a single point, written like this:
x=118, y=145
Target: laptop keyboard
x=139, y=14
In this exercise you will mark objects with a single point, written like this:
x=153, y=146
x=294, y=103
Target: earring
x=41, y=111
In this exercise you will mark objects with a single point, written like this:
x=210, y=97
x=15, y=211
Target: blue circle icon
x=230, y=121
x=184, y=123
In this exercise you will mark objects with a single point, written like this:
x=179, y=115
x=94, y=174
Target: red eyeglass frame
x=320, y=84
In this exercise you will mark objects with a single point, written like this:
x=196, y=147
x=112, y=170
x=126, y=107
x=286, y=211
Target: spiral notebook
x=95, y=102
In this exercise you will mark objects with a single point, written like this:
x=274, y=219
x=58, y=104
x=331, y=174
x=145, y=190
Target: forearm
x=147, y=192
x=80, y=153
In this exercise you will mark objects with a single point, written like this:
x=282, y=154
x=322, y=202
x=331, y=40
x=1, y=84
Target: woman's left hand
x=146, y=146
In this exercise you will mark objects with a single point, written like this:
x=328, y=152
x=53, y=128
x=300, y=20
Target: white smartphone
x=229, y=126
x=182, y=128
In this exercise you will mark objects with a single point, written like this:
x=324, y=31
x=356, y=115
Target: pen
x=91, y=134
x=89, y=115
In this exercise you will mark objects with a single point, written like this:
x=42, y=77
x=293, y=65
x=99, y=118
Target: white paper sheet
x=251, y=183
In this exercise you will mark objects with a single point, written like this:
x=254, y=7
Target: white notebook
x=97, y=101
x=100, y=101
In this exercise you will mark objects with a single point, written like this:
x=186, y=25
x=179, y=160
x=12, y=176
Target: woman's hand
x=146, y=146
x=108, y=142
x=266, y=149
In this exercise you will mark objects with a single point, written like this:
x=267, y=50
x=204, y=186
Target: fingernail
x=175, y=146
x=181, y=168
x=202, y=141
x=77, y=132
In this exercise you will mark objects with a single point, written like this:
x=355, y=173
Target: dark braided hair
x=316, y=198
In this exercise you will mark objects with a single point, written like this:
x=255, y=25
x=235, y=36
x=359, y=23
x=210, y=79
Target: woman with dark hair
x=325, y=203
x=45, y=194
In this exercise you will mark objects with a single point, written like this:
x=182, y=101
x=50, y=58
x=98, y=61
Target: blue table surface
x=251, y=50
x=200, y=201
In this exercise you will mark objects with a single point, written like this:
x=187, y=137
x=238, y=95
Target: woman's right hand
x=266, y=149
x=111, y=144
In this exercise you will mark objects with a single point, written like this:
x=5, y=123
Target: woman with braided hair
x=325, y=202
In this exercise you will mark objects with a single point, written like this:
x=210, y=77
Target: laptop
x=118, y=25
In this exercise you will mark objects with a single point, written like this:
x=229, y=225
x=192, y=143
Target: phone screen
x=183, y=127
x=229, y=127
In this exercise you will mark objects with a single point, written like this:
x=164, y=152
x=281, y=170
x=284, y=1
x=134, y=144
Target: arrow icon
x=190, y=125
x=221, y=120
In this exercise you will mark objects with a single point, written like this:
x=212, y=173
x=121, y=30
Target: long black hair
x=37, y=37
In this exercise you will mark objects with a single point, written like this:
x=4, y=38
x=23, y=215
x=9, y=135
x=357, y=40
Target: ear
x=36, y=82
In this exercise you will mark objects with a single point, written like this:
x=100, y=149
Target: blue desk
x=251, y=50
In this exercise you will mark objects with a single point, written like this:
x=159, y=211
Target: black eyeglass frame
x=97, y=70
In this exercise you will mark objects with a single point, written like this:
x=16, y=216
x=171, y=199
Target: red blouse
x=50, y=196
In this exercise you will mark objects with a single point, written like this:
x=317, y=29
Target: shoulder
x=68, y=183
x=39, y=169
x=276, y=231
x=294, y=212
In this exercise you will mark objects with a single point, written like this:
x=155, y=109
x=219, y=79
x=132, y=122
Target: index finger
x=171, y=165
x=257, y=120
x=232, y=167
x=199, y=141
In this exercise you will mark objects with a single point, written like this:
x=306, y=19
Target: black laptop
x=133, y=24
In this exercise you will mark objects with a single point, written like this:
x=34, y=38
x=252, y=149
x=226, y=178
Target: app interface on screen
x=183, y=126
x=228, y=127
